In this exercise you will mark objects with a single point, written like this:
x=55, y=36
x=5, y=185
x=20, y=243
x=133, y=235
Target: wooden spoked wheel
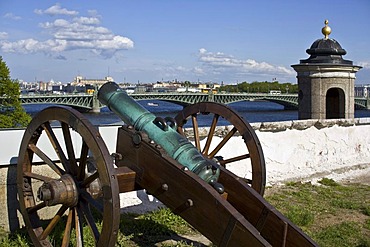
x=245, y=161
x=66, y=181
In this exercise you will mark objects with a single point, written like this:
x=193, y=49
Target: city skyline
x=148, y=41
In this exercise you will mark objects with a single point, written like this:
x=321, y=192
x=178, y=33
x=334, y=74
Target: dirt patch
x=340, y=217
x=361, y=179
x=194, y=240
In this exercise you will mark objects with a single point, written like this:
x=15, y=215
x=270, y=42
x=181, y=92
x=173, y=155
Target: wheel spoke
x=90, y=179
x=180, y=130
x=231, y=117
x=55, y=143
x=196, y=131
x=67, y=230
x=69, y=147
x=223, y=142
x=89, y=199
x=79, y=227
x=76, y=168
x=234, y=159
x=90, y=220
x=35, y=208
x=83, y=161
x=53, y=223
x=46, y=159
x=37, y=176
x=210, y=134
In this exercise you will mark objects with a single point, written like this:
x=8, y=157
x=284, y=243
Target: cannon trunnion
x=78, y=178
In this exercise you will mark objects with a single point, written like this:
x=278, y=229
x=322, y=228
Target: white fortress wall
x=322, y=149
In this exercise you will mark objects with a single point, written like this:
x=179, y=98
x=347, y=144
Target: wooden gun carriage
x=84, y=181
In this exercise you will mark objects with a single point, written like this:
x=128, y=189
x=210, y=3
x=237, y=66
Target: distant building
x=44, y=86
x=79, y=80
x=168, y=86
x=206, y=87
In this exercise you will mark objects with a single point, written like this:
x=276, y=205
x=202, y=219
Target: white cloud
x=220, y=62
x=365, y=65
x=87, y=20
x=27, y=46
x=67, y=34
x=198, y=71
x=56, y=10
x=12, y=16
x=3, y=35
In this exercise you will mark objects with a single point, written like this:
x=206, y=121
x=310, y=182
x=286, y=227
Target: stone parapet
x=287, y=125
x=305, y=124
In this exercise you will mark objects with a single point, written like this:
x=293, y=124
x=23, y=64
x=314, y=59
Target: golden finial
x=326, y=30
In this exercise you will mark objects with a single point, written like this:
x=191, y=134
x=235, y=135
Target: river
x=252, y=111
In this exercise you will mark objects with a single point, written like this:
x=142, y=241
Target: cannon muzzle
x=161, y=131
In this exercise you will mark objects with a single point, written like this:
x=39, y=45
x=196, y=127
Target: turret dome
x=326, y=50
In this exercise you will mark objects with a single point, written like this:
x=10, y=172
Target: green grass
x=151, y=228
x=19, y=239
x=343, y=234
x=331, y=213
x=135, y=230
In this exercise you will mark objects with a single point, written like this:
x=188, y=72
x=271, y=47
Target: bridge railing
x=89, y=101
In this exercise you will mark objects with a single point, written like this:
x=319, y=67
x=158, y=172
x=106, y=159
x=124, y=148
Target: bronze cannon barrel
x=161, y=131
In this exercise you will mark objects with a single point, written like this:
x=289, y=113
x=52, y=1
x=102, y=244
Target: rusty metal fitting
x=59, y=191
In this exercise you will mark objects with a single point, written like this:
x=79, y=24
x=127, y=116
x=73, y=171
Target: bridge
x=82, y=102
x=89, y=102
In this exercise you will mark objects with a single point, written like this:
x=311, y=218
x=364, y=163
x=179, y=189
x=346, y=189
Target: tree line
x=12, y=114
x=260, y=87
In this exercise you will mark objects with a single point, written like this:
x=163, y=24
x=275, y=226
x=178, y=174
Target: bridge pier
x=368, y=103
x=95, y=103
x=211, y=96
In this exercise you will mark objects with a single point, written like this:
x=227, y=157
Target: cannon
x=76, y=177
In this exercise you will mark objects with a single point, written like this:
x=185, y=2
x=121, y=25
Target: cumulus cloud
x=12, y=16
x=3, y=35
x=56, y=10
x=220, y=62
x=71, y=33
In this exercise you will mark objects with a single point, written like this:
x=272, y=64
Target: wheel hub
x=60, y=191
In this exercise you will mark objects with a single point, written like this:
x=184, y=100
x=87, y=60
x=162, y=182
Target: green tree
x=261, y=87
x=12, y=114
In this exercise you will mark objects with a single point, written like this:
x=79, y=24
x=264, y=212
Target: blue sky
x=147, y=41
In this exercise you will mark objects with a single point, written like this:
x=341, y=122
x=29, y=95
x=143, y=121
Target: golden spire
x=326, y=30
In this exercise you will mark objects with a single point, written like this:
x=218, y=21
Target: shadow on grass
x=142, y=231
x=135, y=230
